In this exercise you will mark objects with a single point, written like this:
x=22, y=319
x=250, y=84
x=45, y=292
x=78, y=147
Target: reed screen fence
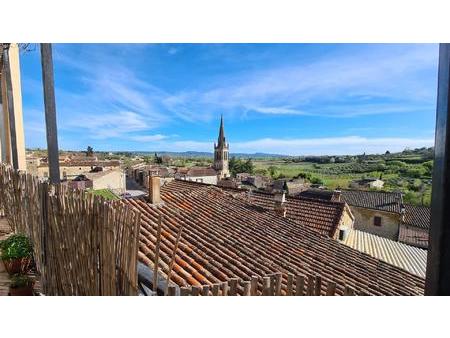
x=83, y=244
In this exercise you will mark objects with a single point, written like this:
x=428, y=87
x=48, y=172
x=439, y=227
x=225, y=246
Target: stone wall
x=364, y=221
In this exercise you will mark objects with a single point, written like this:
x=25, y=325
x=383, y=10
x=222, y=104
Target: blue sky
x=276, y=98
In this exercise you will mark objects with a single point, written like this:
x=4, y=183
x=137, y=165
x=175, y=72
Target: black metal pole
x=438, y=264
x=10, y=105
x=50, y=112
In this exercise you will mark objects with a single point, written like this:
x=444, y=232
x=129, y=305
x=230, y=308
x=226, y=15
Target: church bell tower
x=221, y=155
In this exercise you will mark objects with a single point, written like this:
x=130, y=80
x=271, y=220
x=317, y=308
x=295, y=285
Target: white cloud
x=374, y=80
x=110, y=90
x=311, y=146
x=332, y=145
x=108, y=125
x=278, y=111
x=149, y=138
x=115, y=101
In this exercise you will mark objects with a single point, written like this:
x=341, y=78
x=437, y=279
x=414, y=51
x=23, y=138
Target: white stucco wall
x=201, y=179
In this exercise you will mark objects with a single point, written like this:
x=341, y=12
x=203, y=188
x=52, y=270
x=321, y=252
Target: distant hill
x=200, y=154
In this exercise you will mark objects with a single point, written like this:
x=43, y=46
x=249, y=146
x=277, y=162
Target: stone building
x=69, y=169
x=113, y=180
x=197, y=174
x=367, y=183
x=382, y=213
x=221, y=154
x=379, y=213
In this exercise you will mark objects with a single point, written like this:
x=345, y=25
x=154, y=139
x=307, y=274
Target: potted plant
x=16, y=253
x=21, y=285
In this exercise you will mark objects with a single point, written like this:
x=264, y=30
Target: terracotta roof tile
x=320, y=215
x=417, y=216
x=224, y=237
x=380, y=200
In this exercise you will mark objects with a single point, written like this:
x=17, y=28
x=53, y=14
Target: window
x=377, y=221
x=45, y=174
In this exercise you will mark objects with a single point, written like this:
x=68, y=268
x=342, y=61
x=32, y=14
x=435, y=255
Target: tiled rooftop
x=322, y=216
x=86, y=164
x=380, y=200
x=225, y=236
x=414, y=236
x=418, y=216
x=317, y=194
x=404, y=256
x=197, y=171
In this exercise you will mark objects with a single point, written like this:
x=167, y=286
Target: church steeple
x=221, y=153
x=221, y=138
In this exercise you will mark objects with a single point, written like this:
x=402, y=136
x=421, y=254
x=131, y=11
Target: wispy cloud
x=375, y=81
x=137, y=94
x=105, y=126
x=149, y=138
x=307, y=146
x=114, y=97
x=278, y=111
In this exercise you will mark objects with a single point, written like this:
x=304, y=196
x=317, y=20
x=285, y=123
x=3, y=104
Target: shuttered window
x=377, y=221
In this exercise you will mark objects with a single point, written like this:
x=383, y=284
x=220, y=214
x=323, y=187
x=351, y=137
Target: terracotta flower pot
x=22, y=291
x=18, y=265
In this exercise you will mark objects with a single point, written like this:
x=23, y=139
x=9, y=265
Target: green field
x=105, y=193
x=332, y=181
x=410, y=174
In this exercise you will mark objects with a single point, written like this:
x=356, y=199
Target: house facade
x=367, y=183
x=70, y=169
x=376, y=212
x=377, y=222
x=113, y=180
x=197, y=174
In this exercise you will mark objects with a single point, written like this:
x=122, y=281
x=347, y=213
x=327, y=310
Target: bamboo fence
x=270, y=285
x=83, y=245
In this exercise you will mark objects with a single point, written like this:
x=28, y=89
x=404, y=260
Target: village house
x=230, y=182
x=197, y=174
x=253, y=181
x=379, y=213
x=226, y=235
x=114, y=180
x=382, y=213
x=73, y=168
x=294, y=186
x=141, y=173
x=367, y=183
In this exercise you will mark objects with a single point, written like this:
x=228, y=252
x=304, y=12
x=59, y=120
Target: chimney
x=154, y=185
x=402, y=212
x=280, y=203
x=337, y=195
